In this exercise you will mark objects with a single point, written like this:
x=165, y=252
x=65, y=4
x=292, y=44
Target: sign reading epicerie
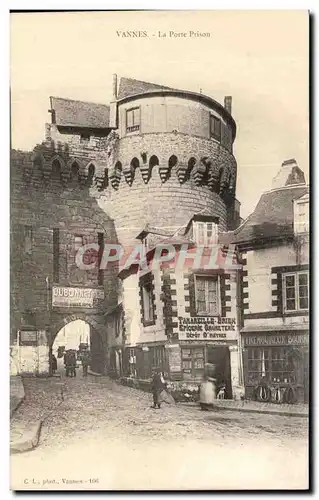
x=207, y=328
x=75, y=297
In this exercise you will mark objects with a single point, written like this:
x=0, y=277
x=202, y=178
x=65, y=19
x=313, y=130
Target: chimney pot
x=115, y=87
x=228, y=103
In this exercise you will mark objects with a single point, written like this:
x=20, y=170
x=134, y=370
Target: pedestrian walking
x=73, y=364
x=207, y=390
x=85, y=362
x=157, y=386
x=54, y=364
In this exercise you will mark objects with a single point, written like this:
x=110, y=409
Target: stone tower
x=172, y=156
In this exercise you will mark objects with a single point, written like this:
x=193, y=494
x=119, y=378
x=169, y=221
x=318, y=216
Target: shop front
x=203, y=340
x=276, y=366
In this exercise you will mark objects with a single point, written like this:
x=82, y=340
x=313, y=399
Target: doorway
x=220, y=357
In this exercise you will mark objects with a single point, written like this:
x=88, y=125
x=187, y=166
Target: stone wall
x=42, y=202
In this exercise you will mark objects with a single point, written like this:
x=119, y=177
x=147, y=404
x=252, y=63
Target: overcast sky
x=258, y=57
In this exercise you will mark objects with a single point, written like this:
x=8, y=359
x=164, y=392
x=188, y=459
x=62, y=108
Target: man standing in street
x=85, y=362
x=158, y=385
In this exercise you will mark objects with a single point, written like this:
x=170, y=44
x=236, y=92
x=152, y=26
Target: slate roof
x=129, y=87
x=272, y=217
x=70, y=113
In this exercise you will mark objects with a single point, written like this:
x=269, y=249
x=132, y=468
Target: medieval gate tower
x=154, y=156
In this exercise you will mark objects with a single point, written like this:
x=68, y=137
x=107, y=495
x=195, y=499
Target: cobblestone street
x=106, y=436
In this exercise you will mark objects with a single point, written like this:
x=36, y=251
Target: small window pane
x=304, y=303
x=290, y=280
x=290, y=293
x=291, y=305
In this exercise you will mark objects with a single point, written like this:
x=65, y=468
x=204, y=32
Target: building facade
x=150, y=174
x=274, y=246
x=176, y=171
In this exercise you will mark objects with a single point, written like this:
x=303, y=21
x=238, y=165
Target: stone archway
x=97, y=337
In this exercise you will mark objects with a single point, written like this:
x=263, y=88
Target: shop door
x=220, y=357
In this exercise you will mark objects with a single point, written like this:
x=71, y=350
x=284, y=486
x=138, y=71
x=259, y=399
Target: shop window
x=157, y=358
x=295, y=292
x=132, y=363
x=215, y=127
x=147, y=298
x=28, y=240
x=205, y=233
x=207, y=295
x=133, y=120
x=274, y=364
x=301, y=217
x=193, y=362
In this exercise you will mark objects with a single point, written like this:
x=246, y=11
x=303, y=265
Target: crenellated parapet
x=218, y=176
x=51, y=163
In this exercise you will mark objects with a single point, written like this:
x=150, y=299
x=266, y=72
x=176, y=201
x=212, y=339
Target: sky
x=260, y=58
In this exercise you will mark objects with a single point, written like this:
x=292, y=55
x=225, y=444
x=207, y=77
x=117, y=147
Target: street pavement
x=106, y=436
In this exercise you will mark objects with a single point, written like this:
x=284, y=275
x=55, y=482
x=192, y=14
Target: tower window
x=85, y=138
x=78, y=242
x=215, y=127
x=28, y=240
x=133, y=118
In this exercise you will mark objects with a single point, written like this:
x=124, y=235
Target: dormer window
x=205, y=233
x=301, y=215
x=133, y=120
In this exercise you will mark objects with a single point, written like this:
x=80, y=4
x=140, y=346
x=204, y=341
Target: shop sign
x=283, y=339
x=76, y=297
x=28, y=337
x=217, y=329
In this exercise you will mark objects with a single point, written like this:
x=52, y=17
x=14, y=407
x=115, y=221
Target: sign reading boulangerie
x=76, y=297
x=207, y=328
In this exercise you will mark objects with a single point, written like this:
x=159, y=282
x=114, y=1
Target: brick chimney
x=228, y=103
x=114, y=87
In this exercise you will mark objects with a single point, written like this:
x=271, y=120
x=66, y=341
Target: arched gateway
x=97, y=336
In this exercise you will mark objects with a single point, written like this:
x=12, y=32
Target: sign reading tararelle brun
x=207, y=328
